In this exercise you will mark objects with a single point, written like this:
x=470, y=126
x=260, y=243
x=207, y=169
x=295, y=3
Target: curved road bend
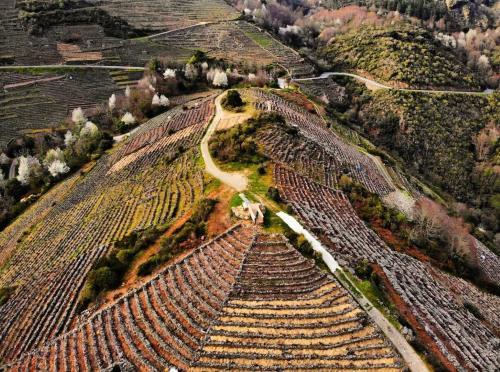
x=376, y=84
x=235, y=180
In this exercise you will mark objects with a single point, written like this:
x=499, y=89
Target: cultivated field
x=318, y=152
x=161, y=15
x=16, y=46
x=241, y=301
x=462, y=339
x=237, y=41
x=143, y=184
x=325, y=90
x=40, y=101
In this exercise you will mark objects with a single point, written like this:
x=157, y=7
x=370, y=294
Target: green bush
x=5, y=293
x=147, y=267
x=102, y=279
x=107, y=273
x=171, y=246
x=473, y=310
x=238, y=144
x=363, y=269
x=232, y=101
x=274, y=194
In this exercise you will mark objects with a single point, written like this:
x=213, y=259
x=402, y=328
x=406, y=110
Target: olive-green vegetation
x=372, y=287
x=303, y=246
x=238, y=144
x=44, y=15
x=5, y=293
x=171, y=246
x=399, y=53
x=449, y=140
x=232, y=101
x=107, y=273
x=370, y=208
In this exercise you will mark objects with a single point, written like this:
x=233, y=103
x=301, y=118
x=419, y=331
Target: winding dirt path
x=235, y=180
x=374, y=85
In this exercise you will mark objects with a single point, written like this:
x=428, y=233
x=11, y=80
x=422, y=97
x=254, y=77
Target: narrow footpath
x=235, y=180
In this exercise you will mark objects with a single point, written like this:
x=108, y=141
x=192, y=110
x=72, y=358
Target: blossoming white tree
x=220, y=79
x=128, y=118
x=53, y=155
x=112, y=102
x=58, y=167
x=483, y=62
x=28, y=168
x=69, y=139
x=169, y=73
x=89, y=129
x=4, y=159
x=164, y=101
x=127, y=91
x=156, y=100
x=191, y=71
x=78, y=116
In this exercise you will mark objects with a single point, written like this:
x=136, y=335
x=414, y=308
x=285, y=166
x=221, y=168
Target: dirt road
x=235, y=180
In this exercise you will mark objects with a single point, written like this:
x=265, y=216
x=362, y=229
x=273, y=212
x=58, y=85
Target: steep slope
x=400, y=54
x=240, y=301
x=284, y=314
x=449, y=140
x=61, y=237
x=441, y=322
x=308, y=144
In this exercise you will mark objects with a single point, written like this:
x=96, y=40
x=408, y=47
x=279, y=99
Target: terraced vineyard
x=62, y=236
x=458, y=336
x=241, y=301
x=32, y=102
x=160, y=15
x=16, y=46
x=326, y=90
x=318, y=152
x=237, y=41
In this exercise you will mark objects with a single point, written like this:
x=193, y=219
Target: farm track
x=376, y=85
x=235, y=180
x=422, y=293
x=321, y=77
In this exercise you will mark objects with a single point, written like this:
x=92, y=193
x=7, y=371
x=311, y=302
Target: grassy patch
x=376, y=297
x=235, y=201
x=182, y=238
x=259, y=38
x=341, y=276
x=211, y=185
